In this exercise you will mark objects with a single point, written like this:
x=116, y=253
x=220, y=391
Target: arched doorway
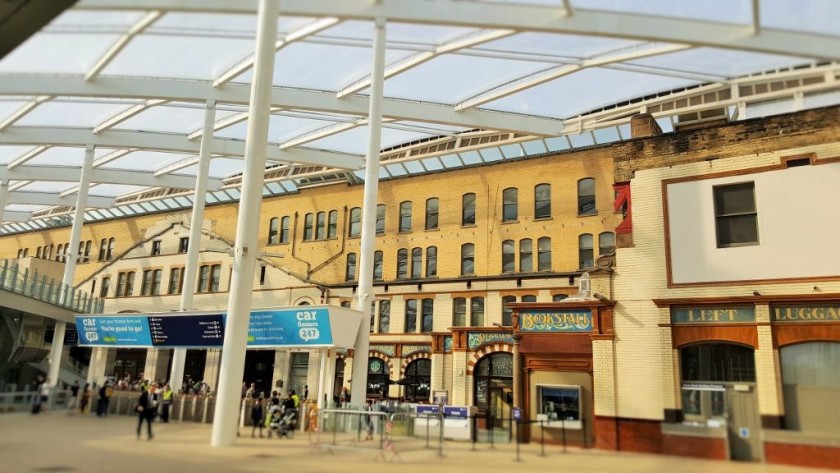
x=417, y=380
x=378, y=380
x=493, y=388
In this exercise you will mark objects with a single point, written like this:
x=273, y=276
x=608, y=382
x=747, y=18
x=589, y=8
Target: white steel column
x=329, y=391
x=4, y=196
x=246, y=250
x=322, y=388
x=179, y=355
x=358, y=389
x=70, y=263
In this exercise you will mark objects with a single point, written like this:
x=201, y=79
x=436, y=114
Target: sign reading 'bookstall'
x=266, y=328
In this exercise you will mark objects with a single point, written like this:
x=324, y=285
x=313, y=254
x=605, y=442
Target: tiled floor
x=56, y=442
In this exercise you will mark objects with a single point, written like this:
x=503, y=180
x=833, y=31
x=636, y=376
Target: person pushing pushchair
x=283, y=418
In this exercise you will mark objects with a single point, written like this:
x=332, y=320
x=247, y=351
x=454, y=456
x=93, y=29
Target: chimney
x=644, y=125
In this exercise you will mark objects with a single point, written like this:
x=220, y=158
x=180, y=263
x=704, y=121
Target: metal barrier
x=13, y=279
x=22, y=401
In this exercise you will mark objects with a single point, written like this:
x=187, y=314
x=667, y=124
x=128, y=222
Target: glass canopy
x=467, y=82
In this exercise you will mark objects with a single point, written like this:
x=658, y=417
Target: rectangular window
x=273, y=230
x=203, y=278
x=350, y=270
x=507, y=312
x=411, y=316
x=377, y=265
x=508, y=257
x=308, y=223
x=526, y=255
x=215, y=277
x=477, y=312
x=156, y=247
x=431, y=261
x=468, y=209
x=402, y=263
x=176, y=280
x=156, y=282
x=262, y=275
x=183, y=244
x=467, y=259
x=332, y=224
x=459, y=312
x=384, y=316
x=510, y=205
x=284, y=230
x=405, y=216
x=298, y=371
x=146, y=287
x=736, y=217
x=320, y=226
x=106, y=284
x=416, y=262
x=355, y=222
x=129, y=284
x=380, y=219
x=427, y=315
x=542, y=201
x=432, y=210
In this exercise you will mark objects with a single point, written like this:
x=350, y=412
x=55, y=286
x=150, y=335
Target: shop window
x=355, y=222
x=405, y=216
x=377, y=265
x=411, y=316
x=467, y=259
x=377, y=380
x=350, y=270
x=508, y=256
x=402, y=263
x=384, y=316
x=559, y=406
x=586, y=197
x=417, y=381
x=427, y=309
x=431, y=261
x=705, y=371
x=308, y=227
x=468, y=209
x=542, y=201
x=586, y=258
x=432, y=210
x=493, y=383
x=736, y=218
x=811, y=381
x=526, y=255
x=332, y=224
x=284, y=229
x=273, y=230
x=380, y=219
x=510, y=205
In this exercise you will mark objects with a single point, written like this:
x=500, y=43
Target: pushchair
x=283, y=422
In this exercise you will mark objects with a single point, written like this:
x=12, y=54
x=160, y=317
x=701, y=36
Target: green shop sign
x=476, y=339
x=801, y=313
x=555, y=321
x=712, y=315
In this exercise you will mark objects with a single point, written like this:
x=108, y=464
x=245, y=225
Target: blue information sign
x=428, y=409
x=123, y=331
x=197, y=330
x=284, y=327
x=456, y=412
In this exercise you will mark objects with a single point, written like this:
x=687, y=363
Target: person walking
x=257, y=416
x=74, y=398
x=38, y=397
x=146, y=408
x=83, y=403
x=166, y=403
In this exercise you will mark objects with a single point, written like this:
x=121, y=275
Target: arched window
x=431, y=261
x=529, y=298
x=585, y=257
x=510, y=205
x=477, y=312
x=526, y=255
x=558, y=297
x=410, y=315
x=416, y=262
x=59, y=253
x=508, y=256
x=350, y=271
x=377, y=379
x=308, y=227
x=586, y=197
x=544, y=254
x=493, y=384
x=355, y=222
x=459, y=312
x=418, y=380
x=432, y=209
x=332, y=224
x=542, y=201
x=321, y=226
x=507, y=312
x=606, y=243
x=468, y=209
x=273, y=230
x=405, y=216
x=427, y=315
x=380, y=219
x=284, y=229
x=377, y=265
x=103, y=249
x=384, y=316
x=467, y=259
x=111, y=245
x=402, y=263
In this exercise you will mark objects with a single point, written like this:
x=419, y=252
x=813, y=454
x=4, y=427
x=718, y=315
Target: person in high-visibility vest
x=167, y=401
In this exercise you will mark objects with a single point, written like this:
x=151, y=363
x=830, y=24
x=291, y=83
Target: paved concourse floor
x=57, y=442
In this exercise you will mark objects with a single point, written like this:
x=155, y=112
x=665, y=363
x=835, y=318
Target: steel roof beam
x=22, y=111
x=45, y=198
x=121, y=43
x=15, y=216
x=542, y=18
x=108, y=176
x=124, y=115
x=27, y=156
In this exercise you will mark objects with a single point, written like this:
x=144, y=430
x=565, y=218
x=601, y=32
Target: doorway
x=744, y=423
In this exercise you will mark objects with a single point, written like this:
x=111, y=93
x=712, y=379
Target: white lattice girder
x=46, y=198
x=543, y=18
x=107, y=176
x=295, y=99
x=124, y=115
x=168, y=142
